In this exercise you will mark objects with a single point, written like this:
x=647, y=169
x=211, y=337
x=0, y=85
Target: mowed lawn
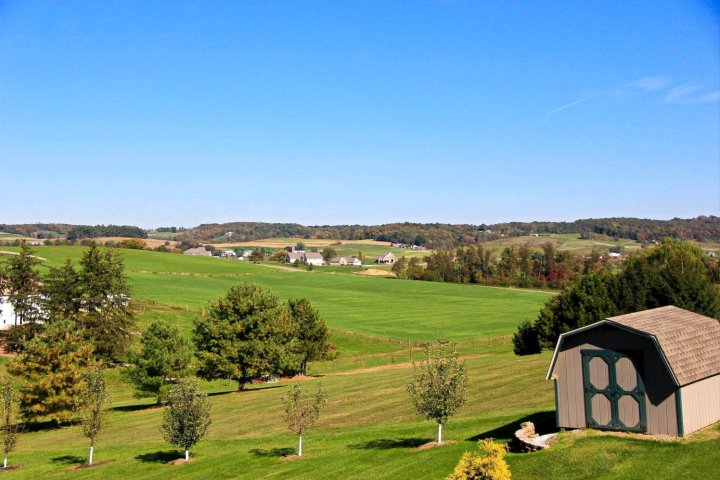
x=368, y=431
x=402, y=309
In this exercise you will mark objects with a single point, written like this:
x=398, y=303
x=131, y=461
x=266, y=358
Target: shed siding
x=700, y=404
x=660, y=390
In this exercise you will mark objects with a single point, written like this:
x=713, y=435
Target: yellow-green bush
x=491, y=466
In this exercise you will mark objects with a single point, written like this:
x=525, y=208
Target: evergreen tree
x=439, y=385
x=244, y=336
x=186, y=418
x=62, y=292
x=53, y=367
x=165, y=356
x=312, y=333
x=22, y=285
x=106, y=316
x=93, y=399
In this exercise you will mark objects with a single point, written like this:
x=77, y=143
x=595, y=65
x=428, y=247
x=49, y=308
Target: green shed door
x=614, y=392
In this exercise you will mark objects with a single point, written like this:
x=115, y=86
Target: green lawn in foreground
x=402, y=309
x=368, y=431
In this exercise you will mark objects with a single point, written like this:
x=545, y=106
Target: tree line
x=671, y=273
x=441, y=235
x=518, y=266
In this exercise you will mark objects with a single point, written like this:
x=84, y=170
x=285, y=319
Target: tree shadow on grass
x=273, y=452
x=544, y=423
x=136, y=408
x=390, y=443
x=69, y=459
x=44, y=425
x=249, y=390
x=159, y=457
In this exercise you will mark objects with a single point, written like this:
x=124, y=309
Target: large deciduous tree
x=53, y=366
x=312, y=333
x=302, y=411
x=165, y=355
x=245, y=336
x=186, y=418
x=439, y=385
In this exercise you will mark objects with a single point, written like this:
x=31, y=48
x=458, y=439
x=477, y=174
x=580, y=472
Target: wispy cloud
x=708, y=97
x=681, y=94
x=649, y=84
x=565, y=107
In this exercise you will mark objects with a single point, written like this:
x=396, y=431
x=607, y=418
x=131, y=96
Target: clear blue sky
x=177, y=113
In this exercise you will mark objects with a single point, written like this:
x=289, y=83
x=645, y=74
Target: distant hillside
x=72, y=232
x=434, y=235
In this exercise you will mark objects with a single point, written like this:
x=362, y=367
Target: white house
x=227, y=254
x=387, y=258
x=7, y=314
x=313, y=258
x=344, y=261
x=292, y=257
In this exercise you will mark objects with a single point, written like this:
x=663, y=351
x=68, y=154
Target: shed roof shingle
x=690, y=341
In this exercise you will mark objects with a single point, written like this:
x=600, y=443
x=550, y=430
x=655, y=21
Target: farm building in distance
x=309, y=258
x=655, y=371
x=387, y=258
x=345, y=261
x=198, y=251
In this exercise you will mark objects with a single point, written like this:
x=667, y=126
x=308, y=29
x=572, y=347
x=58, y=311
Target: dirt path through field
x=5, y=252
x=399, y=366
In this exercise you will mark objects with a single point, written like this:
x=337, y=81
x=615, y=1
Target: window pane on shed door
x=601, y=410
x=599, y=376
x=629, y=411
x=626, y=374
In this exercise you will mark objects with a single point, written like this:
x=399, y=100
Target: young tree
x=186, y=418
x=257, y=256
x=312, y=333
x=399, y=268
x=165, y=356
x=244, y=336
x=53, y=366
x=303, y=411
x=22, y=284
x=94, y=396
x=10, y=424
x=439, y=385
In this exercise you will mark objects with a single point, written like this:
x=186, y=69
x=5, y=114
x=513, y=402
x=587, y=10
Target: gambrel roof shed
x=655, y=371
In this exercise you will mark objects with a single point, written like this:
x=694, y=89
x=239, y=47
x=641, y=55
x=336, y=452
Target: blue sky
x=179, y=113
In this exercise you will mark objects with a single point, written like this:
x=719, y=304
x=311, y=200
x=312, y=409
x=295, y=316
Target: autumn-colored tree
x=53, y=366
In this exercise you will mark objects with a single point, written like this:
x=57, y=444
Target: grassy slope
x=407, y=310
x=369, y=429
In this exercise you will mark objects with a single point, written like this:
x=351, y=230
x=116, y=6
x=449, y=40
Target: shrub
x=526, y=340
x=491, y=466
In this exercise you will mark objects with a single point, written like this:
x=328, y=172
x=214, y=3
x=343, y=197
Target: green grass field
x=369, y=429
